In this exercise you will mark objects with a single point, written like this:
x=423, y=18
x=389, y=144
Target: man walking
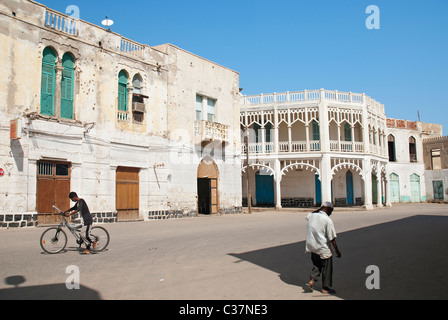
x=81, y=206
x=320, y=234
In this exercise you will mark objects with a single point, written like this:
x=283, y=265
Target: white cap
x=327, y=204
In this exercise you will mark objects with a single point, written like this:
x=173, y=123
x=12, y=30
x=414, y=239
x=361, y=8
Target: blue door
x=318, y=191
x=264, y=189
x=349, y=183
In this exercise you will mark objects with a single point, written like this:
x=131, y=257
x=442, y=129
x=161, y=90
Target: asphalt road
x=238, y=257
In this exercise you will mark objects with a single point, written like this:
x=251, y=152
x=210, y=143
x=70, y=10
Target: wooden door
x=53, y=188
x=127, y=194
x=214, y=203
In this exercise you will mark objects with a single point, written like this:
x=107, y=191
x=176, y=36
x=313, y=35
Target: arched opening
x=412, y=150
x=391, y=147
x=208, y=198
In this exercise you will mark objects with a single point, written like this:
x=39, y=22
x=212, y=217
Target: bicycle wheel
x=53, y=240
x=101, y=237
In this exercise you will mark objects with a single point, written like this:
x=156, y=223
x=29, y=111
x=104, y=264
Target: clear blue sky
x=292, y=45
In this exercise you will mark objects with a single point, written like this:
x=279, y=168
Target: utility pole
x=249, y=194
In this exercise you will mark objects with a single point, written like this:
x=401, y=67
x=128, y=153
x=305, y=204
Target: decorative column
x=379, y=184
x=367, y=183
x=278, y=179
x=388, y=199
x=365, y=126
x=326, y=177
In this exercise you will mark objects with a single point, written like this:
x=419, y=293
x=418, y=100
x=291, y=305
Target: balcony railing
x=312, y=95
x=209, y=131
x=283, y=147
x=61, y=22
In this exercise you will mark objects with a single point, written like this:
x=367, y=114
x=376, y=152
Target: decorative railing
x=131, y=47
x=283, y=147
x=211, y=130
x=123, y=116
x=346, y=146
x=61, y=22
x=312, y=95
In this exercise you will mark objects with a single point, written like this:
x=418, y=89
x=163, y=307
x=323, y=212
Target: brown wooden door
x=214, y=203
x=53, y=188
x=127, y=194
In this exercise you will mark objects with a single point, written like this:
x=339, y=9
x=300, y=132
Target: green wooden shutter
x=67, y=83
x=122, y=91
x=48, y=82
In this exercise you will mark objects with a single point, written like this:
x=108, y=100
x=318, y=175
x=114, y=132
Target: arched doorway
x=208, y=199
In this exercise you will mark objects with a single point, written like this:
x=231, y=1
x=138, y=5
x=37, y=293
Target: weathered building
x=112, y=119
x=436, y=168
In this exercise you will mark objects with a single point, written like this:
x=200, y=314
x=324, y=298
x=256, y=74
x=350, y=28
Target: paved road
x=238, y=257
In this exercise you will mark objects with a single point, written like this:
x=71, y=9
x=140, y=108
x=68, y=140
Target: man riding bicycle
x=81, y=206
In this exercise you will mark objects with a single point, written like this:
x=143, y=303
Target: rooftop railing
x=311, y=95
x=61, y=22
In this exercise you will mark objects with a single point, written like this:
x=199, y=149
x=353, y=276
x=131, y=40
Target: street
x=238, y=257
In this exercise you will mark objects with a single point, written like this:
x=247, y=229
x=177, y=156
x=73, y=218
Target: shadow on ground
x=411, y=255
x=44, y=292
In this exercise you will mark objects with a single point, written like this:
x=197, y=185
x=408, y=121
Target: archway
x=208, y=176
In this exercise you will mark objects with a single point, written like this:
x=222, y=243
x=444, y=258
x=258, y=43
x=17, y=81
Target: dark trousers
x=85, y=233
x=323, y=268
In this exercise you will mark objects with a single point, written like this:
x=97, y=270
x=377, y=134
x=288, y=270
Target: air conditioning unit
x=138, y=107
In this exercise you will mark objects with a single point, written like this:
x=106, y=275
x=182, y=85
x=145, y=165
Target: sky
x=293, y=45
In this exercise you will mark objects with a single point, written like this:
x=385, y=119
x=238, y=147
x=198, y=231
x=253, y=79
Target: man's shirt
x=81, y=206
x=320, y=232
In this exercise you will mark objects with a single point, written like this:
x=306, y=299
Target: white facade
x=323, y=145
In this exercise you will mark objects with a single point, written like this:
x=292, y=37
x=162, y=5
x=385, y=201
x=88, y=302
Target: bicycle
x=54, y=239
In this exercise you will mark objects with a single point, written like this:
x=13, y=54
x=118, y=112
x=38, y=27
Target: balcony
x=210, y=131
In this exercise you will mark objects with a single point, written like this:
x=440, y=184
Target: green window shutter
x=48, y=82
x=122, y=91
x=67, y=83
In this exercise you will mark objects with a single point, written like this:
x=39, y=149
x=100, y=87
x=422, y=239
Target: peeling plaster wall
x=95, y=142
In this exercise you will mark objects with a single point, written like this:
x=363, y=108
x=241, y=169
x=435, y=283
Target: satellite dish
x=107, y=23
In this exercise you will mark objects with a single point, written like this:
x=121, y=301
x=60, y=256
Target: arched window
x=49, y=58
x=412, y=150
x=137, y=83
x=123, y=91
x=67, y=83
x=391, y=146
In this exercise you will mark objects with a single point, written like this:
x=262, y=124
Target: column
x=278, y=179
x=388, y=199
x=379, y=185
x=365, y=126
x=323, y=124
x=57, y=89
x=326, y=177
x=276, y=144
x=367, y=184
